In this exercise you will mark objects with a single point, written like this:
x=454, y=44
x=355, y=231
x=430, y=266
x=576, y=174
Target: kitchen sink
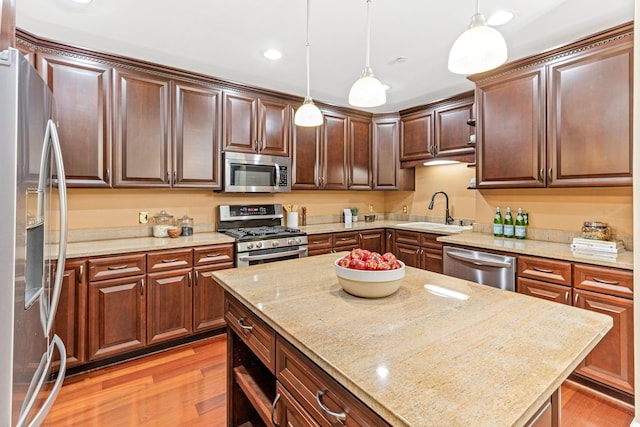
x=435, y=226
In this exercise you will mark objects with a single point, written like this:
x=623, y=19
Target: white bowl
x=369, y=283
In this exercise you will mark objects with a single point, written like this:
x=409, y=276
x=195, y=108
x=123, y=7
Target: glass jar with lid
x=186, y=223
x=596, y=230
x=161, y=224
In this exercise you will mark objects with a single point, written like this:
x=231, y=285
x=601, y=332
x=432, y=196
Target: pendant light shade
x=367, y=91
x=308, y=114
x=480, y=48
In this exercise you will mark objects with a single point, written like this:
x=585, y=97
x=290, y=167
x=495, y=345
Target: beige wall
x=557, y=209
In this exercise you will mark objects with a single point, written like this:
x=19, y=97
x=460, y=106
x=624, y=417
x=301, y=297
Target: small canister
x=187, y=225
x=596, y=230
x=161, y=224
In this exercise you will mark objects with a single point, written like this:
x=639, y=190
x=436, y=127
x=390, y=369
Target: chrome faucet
x=447, y=218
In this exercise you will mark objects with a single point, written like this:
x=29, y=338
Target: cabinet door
x=416, y=136
x=305, y=162
x=544, y=290
x=611, y=361
x=360, y=169
x=390, y=241
x=169, y=304
x=274, y=127
x=430, y=253
x=590, y=117
x=82, y=91
x=373, y=240
x=452, y=131
x=197, y=130
x=334, y=152
x=117, y=316
x=208, y=299
x=71, y=318
x=141, y=148
x=386, y=161
x=510, y=147
x=239, y=123
x=289, y=412
x=408, y=254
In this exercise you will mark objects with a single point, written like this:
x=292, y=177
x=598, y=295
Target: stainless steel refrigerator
x=33, y=233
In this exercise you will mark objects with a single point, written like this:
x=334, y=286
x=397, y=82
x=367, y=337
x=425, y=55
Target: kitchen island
x=439, y=351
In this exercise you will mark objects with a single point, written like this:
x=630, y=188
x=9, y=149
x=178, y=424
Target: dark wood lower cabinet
x=71, y=322
x=611, y=362
x=116, y=316
x=544, y=290
x=208, y=300
x=373, y=240
x=169, y=302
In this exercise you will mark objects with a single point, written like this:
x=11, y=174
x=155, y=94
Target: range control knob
x=275, y=243
x=258, y=245
x=298, y=240
x=249, y=245
x=291, y=241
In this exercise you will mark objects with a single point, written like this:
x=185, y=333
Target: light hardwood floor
x=186, y=387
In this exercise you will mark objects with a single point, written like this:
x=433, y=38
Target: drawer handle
x=606, y=282
x=212, y=255
x=340, y=416
x=117, y=267
x=167, y=261
x=242, y=325
x=273, y=411
x=542, y=270
x=344, y=238
x=317, y=242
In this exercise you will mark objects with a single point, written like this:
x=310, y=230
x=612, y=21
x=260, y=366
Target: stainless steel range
x=260, y=237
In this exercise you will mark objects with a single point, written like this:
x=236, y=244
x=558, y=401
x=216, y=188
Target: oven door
x=245, y=259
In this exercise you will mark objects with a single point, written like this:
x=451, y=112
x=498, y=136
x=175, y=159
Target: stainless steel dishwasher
x=489, y=269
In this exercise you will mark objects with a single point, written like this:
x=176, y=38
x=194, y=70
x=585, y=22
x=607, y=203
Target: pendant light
x=480, y=48
x=308, y=114
x=367, y=91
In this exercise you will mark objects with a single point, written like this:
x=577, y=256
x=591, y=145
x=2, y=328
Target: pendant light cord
x=368, y=35
x=477, y=6
x=308, y=55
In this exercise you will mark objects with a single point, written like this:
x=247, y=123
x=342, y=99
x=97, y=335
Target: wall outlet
x=143, y=217
x=370, y=207
x=405, y=209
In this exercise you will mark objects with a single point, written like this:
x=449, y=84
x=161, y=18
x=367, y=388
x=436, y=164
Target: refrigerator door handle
x=38, y=381
x=52, y=143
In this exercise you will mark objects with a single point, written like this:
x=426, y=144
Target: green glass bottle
x=521, y=231
x=509, y=229
x=498, y=229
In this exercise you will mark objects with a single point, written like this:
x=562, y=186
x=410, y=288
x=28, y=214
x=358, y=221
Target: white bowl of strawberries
x=368, y=274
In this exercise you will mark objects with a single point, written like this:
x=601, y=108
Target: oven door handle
x=272, y=256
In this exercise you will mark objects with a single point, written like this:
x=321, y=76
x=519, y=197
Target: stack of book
x=601, y=249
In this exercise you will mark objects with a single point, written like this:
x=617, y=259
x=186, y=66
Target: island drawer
x=256, y=334
x=544, y=269
x=169, y=260
x=611, y=281
x=114, y=267
x=318, y=393
x=218, y=254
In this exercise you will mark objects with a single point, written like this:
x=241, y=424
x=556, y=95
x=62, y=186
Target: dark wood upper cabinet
x=305, y=158
x=141, y=140
x=511, y=130
x=256, y=125
x=82, y=91
x=7, y=24
x=417, y=136
x=197, y=115
x=360, y=154
x=334, y=172
x=590, y=109
x=453, y=134
x=559, y=119
x=387, y=174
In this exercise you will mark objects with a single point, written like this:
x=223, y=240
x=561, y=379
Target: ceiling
x=226, y=39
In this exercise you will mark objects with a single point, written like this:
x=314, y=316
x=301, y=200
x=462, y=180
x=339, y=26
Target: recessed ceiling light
x=273, y=54
x=501, y=17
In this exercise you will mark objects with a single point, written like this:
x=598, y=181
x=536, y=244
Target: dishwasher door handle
x=476, y=261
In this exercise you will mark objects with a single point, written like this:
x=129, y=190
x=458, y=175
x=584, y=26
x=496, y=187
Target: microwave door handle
x=277, y=175
x=40, y=376
x=52, y=143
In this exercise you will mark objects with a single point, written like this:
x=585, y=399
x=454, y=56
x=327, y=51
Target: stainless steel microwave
x=256, y=173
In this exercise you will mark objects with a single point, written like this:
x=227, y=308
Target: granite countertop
x=481, y=356
x=143, y=244
x=561, y=251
